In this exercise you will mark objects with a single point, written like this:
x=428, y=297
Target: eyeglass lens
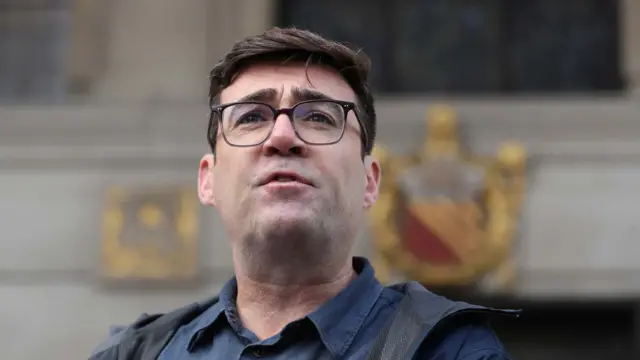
x=318, y=122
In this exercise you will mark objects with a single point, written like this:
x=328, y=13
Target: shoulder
x=455, y=330
x=156, y=326
x=116, y=333
x=473, y=341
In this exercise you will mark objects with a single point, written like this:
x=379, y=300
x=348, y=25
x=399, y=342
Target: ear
x=205, y=180
x=372, y=181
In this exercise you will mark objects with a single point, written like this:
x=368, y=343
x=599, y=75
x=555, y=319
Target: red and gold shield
x=441, y=233
x=439, y=212
x=445, y=217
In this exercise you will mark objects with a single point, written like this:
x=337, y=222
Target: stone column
x=256, y=16
x=156, y=51
x=231, y=20
x=630, y=13
x=88, y=44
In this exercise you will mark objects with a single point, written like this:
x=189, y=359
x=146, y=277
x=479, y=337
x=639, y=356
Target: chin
x=292, y=222
x=285, y=224
x=287, y=212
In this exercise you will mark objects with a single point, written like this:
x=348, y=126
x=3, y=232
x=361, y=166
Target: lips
x=284, y=177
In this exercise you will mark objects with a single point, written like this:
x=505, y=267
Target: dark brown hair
x=287, y=45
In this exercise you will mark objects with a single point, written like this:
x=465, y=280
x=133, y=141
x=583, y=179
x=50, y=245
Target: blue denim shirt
x=343, y=328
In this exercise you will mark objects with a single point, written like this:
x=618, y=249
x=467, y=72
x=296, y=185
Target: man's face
x=329, y=188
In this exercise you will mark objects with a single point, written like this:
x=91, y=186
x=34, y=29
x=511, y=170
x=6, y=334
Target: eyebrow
x=304, y=94
x=262, y=95
x=298, y=94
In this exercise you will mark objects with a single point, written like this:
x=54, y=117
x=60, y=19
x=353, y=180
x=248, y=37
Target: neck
x=266, y=307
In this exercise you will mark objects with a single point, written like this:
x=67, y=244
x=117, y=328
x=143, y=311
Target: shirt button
x=257, y=353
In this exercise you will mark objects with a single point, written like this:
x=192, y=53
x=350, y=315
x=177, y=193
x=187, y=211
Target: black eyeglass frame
x=345, y=105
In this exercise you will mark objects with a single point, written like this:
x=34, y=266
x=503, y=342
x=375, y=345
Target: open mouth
x=286, y=177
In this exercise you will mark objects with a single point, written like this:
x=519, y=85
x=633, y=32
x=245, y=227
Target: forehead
x=285, y=81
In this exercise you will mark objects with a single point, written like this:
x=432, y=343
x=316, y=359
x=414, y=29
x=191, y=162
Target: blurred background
x=97, y=94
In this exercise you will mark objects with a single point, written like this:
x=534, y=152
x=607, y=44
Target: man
x=291, y=132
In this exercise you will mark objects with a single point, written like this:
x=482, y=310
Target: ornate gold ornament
x=150, y=234
x=444, y=216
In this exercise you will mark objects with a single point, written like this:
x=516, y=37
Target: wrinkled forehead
x=285, y=85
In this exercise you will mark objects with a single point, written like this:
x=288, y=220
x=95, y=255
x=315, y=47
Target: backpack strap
x=146, y=338
x=418, y=313
x=148, y=342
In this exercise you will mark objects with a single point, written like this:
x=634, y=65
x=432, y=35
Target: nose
x=283, y=139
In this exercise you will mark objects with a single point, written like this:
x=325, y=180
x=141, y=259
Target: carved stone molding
x=567, y=130
x=557, y=130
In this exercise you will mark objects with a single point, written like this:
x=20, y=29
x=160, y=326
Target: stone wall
x=145, y=123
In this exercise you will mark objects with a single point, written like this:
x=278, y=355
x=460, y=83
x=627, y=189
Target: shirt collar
x=210, y=321
x=337, y=321
x=340, y=319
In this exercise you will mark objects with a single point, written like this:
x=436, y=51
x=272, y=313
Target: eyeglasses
x=316, y=122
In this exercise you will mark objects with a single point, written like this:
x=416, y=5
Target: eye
x=251, y=117
x=318, y=117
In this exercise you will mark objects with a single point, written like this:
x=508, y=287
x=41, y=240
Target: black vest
x=418, y=317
